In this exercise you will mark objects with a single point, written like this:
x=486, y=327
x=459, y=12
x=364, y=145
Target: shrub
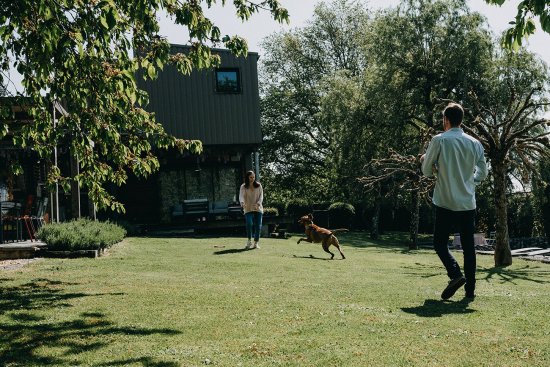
x=341, y=214
x=298, y=207
x=274, y=212
x=295, y=209
x=81, y=234
x=277, y=205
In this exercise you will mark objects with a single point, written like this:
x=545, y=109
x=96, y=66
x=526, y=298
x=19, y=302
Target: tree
x=404, y=175
x=506, y=119
x=419, y=52
x=541, y=189
x=309, y=90
x=523, y=25
x=86, y=54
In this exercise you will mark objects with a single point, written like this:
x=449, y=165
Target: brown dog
x=316, y=234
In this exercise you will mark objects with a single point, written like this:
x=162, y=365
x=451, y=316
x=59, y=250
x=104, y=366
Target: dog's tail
x=339, y=230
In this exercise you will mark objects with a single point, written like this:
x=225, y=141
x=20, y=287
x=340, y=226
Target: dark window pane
x=227, y=81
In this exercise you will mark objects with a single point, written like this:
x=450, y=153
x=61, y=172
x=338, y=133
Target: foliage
x=521, y=216
x=81, y=234
x=429, y=37
x=524, y=25
x=541, y=193
x=341, y=214
x=297, y=208
x=86, y=55
x=506, y=118
x=301, y=73
x=339, y=207
x=274, y=212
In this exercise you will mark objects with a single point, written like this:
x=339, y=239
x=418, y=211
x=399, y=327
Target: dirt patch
x=15, y=264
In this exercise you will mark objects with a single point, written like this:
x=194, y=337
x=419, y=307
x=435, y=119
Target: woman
x=251, y=196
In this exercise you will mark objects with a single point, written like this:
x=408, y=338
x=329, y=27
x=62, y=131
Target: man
x=458, y=162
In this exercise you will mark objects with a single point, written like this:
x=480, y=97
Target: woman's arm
x=261, y=196
x=241, y=195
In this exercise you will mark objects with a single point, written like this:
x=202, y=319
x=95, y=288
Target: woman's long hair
x=247, y=181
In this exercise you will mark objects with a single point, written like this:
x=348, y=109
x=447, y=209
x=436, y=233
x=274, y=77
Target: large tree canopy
x=308, y=92
x=86, y=55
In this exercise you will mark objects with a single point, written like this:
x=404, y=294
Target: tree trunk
x=503, y=255
x=415, y=218
x=375, y=220
x=546, y=215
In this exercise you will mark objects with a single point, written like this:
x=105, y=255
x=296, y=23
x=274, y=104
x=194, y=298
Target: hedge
x=81, y=234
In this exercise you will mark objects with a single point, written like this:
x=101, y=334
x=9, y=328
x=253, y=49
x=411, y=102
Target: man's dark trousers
x=464, y=221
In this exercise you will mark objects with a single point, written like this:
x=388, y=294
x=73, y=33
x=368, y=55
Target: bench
x=219, y=208
x=193, y=208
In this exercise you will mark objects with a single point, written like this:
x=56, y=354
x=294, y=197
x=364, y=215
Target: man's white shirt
x=460, y=165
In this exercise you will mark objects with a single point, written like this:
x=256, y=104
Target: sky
x=261, y=25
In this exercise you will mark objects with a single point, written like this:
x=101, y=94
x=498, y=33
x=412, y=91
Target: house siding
x=189, y=107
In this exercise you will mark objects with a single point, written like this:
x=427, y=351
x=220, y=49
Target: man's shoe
x=248, y=245
x=470, y=296
x=256, y=245
x=453, y=286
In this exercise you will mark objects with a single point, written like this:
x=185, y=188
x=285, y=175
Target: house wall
x=189, y=107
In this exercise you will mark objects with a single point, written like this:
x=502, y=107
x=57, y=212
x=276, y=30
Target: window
x=228, y=81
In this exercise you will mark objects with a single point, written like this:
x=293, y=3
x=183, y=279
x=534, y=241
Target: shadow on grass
x=509, y=275
x=144, y=361
x=527, y=273
x=311, y=257
x=438, y=308
x=396, y=242
x=232, y=251
x=26, y=338
x=423, y=270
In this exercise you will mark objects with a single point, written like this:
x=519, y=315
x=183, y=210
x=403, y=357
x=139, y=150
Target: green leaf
x=151, y=72
x=103, y=21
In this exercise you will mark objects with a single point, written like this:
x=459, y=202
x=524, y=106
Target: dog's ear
x=310, y=216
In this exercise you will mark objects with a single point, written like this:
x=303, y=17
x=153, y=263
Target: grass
x=195, y=302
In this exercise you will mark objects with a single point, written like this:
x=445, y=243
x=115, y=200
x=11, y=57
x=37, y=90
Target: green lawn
x=195, y=302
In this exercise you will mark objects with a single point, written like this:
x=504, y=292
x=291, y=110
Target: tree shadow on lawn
x=509, y=275
x=438, y=308
x=397, y=242
x=527, y=273
x=23, y=340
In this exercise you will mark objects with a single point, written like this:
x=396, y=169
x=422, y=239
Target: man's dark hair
x=454, y=113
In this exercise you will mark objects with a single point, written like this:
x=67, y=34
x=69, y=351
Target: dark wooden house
x=218, y=106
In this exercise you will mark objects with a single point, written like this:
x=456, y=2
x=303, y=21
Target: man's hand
x=422, y=157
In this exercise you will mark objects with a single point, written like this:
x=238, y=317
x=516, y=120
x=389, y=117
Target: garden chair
x=34, y=222
x=10, y=223
x=38, y=219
